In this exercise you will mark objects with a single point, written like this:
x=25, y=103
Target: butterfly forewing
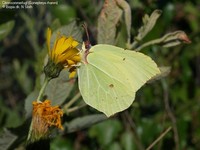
x=111, y=77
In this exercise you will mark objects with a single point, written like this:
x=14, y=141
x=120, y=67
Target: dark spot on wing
x=124, y=59
x=111, y=85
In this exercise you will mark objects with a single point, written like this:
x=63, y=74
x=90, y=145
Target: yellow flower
x=64, y=53
x=44, y=117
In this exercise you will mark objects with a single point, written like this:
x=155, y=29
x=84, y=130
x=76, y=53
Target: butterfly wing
x=110, y=79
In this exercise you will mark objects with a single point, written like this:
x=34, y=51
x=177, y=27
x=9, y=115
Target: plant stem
x=70, y=110
x=170, y=113
x=30, y=130
x=46, y=81
x=133, y=45
x=159, y=138
x=152, y=42
x=72, y=101
x=136, y=137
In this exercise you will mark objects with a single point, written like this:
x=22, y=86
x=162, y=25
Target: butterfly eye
x=87, y=45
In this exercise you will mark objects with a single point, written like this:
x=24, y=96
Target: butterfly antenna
x=86, y=31
x=87, y=42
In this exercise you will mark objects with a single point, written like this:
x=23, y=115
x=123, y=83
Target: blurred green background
x=173, y=101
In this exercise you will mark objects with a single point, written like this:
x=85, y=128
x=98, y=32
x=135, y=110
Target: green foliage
x=6, y=28
x=65, y=13
x=9, y=119
x=59, y=88
x=61, y=144
x=127, y=140
x=149, y=22
x=107, y=23
x=7, y=139
x=84, y=122
x=106, y=132
x=23, y=51
x=20, y=73
x=28, y=102
x=71, y=29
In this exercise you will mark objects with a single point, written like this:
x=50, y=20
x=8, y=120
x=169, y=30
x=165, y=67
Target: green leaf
x=174, y=38
x=69, y=30
x=84, y=122
x=55, y=24
x=61, y=144
x=6, y=28
x=168, y=40
x=64, y=13
x=10, y=118
x=127, y=15
x=21, y=75
x=13, y=119
x=106, y=132
x=59, y=88
x=127, y=140
x=149, y=22
x=6, y=139
x=150, y=129
x=107, y=22
x=28, y=102
x=114, y=146
x=30, y=25
x=164, y=72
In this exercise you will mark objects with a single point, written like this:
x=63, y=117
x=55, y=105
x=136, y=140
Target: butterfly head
x=86, y=45
x=85, y=51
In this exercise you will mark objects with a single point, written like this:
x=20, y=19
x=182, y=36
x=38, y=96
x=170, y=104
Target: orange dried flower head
x=44, y=117
x=63, y=54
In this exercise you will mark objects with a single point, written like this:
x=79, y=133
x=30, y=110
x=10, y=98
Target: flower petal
x=63, y=54
x=63, y=44
x=48, y=40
